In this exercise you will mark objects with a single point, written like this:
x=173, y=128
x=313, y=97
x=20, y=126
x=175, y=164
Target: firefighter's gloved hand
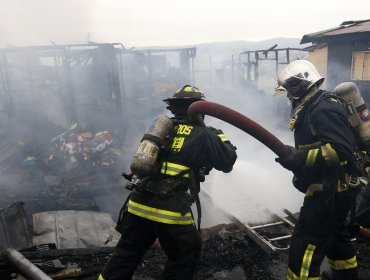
x=295, y=160
x=300, y=183
x=203, y=172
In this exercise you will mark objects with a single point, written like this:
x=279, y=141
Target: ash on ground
x=228, y=253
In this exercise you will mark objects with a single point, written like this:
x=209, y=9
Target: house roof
x=347, y=31
x=315, y=47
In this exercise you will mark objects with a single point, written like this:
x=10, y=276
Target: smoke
x=257, y=186
x=38, y=22
x=257, y=182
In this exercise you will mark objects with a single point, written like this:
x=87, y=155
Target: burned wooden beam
x=79, y=252
x=26, y=268
x=269, y=49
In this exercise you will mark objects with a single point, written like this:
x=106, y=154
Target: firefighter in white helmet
x=322, y=161
x=159, y=206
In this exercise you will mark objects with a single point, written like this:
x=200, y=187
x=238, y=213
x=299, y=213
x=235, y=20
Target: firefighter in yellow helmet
x=322, y=163
x=160, y=207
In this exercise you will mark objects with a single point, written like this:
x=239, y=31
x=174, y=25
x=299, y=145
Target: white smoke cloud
x=257, y=185
x=257, y=181
x=254, y=189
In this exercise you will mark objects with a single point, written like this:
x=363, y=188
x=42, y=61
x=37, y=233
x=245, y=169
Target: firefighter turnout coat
x=322, y=131
x=166, y=197
x=160, y=207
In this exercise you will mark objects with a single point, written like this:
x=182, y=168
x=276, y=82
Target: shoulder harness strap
x=323, y=96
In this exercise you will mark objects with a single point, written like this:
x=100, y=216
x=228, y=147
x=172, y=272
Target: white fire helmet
x=298, y=77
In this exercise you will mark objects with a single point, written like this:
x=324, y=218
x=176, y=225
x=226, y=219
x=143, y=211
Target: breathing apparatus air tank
x=359, y=117
x=145, y=162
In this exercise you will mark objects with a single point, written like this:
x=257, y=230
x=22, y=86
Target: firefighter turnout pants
x=181, y=243
x=320, y=232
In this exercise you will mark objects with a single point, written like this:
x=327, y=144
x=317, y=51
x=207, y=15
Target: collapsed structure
x=69, y=120
x=62, y=151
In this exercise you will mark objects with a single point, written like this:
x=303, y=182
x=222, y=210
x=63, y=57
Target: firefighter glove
x=300, y=183
x=294, y=161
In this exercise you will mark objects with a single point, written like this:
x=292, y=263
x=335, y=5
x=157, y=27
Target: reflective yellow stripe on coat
x=173, y=169
x=319, y=187
x=343, y=264
x=310, y=146
x=159, y=215
x=223, y=137
x=101, y=277
x=311, y=157
x=329, y=154
x=314, y=188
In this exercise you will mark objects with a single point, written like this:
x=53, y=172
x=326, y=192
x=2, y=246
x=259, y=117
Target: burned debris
x=69, y=122
x=64, y=139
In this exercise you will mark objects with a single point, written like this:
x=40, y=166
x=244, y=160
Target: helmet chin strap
x=298, y=104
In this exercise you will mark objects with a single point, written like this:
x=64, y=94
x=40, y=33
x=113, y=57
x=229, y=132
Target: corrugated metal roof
x=74, y=229
x=347, y=31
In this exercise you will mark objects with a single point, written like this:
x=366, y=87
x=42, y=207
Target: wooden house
x=342, y=54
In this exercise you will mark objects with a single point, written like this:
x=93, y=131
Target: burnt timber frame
x=255, y=56
x=68, y=71
x=187, y=56
x=31, y=73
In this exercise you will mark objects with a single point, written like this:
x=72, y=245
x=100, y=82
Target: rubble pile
x=231, y=254
x=72, y=170
x=60, y=263
x=66, y=171
x=362, y=247
x=227, y=253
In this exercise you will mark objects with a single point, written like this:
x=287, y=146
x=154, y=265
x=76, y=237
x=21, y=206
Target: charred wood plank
x=26, y=268
x=76, y=252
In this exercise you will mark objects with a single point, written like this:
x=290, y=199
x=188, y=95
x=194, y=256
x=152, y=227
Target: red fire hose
x=238, y=120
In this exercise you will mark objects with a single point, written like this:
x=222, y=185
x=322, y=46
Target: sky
x=136, y=23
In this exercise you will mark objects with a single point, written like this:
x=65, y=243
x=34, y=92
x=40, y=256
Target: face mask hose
x=238, y=120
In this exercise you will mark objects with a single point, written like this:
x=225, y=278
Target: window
x=360, y=66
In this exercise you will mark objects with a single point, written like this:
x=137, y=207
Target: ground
x=227, y=253
x=230, y=254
